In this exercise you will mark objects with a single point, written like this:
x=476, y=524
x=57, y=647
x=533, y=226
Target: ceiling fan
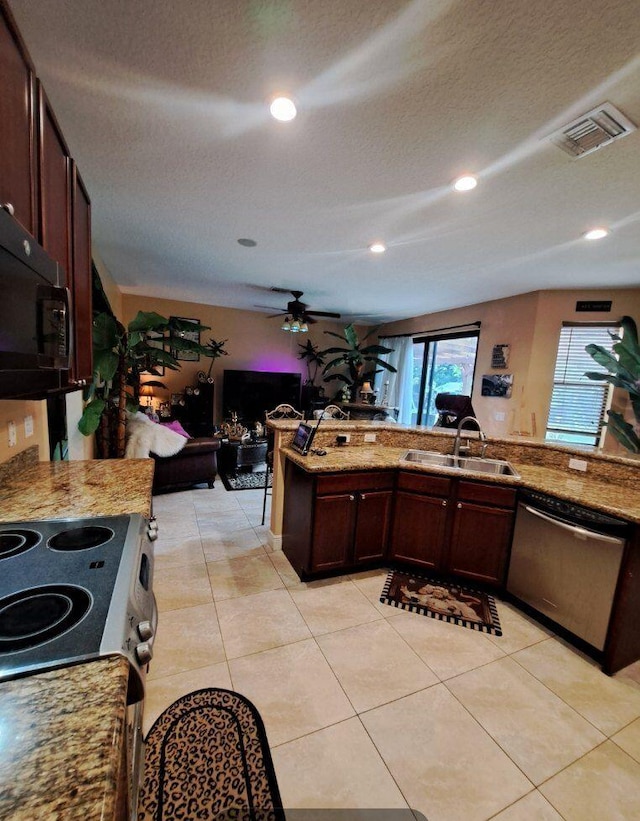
x=297, y=315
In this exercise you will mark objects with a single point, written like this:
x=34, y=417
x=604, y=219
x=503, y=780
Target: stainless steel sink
x=498, y=467
x=476, y=464
x=428, y=457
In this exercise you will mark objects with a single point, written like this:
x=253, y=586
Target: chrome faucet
x=466, y=449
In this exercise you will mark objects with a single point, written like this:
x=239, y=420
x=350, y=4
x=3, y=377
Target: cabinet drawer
x=489, y=494
x=350, y=482
x=424, y=483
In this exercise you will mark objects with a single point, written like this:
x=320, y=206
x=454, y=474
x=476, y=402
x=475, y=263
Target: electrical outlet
x=343, y=438
x=13, y=434
x=28, y=426
x=578, y=464
x=370, y=437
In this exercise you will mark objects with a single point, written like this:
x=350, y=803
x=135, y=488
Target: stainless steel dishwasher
x=565, y=563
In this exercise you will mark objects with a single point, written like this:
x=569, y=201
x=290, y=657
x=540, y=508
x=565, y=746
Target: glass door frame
x=427, y=340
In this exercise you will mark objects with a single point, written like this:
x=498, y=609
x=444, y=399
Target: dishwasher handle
x=578, y=532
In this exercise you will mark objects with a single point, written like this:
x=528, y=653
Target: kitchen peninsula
x=397, y=499
x=63, y=753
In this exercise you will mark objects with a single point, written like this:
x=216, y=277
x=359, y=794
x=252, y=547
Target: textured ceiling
x=164, y=106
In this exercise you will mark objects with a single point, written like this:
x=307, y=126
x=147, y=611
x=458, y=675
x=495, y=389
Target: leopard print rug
x=207, y=757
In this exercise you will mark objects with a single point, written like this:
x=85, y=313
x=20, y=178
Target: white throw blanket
x=145, y=437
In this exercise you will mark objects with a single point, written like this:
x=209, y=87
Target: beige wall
x=255, y=342
x=113, y=293
x=530, y=324
x=16, y=411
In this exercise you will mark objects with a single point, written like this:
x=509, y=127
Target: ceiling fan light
x=295, y=326
x=286, y=326
x=304, y=328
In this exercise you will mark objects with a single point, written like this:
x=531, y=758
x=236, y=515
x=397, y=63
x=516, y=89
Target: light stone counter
x=61, y=732
x=61, y=736
x=59, y=490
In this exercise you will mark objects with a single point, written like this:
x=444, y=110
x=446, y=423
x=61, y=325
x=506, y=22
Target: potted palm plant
x=361, y=361
x=623, y=366
x=120, y=356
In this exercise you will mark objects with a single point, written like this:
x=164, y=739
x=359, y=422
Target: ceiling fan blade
x=270, y=308
x=324, y=313
x=309, y=320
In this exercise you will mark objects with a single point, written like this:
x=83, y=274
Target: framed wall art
x=192, y=336
x=497, y=384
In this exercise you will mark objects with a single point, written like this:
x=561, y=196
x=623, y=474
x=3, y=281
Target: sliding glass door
x=441, y=364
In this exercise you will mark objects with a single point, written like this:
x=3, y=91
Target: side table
x=235, y=455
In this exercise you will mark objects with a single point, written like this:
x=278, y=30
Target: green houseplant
x=120, y=356
x=356, y=358
x=623, y=366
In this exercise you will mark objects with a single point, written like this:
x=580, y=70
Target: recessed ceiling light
x=466, y=183
x=283, y=109
x=596, y=233
x=378, y=248
x=248, y=243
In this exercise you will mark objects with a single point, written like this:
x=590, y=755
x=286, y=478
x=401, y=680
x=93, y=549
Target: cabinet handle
x=444, y=503
x=459, y=506
x=363, y=496
x=352, y=498
x=8, y=207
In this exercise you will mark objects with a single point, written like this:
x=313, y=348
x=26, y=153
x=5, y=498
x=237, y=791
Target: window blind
x=578, y=404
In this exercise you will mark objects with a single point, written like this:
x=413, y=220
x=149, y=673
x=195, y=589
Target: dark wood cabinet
x=453, y=526
x=196, y=412
x=336, y=521
x=54, y=167
x=17, y=126
x=81, y=278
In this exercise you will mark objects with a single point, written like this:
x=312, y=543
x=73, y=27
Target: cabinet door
x=81, y=280
x=419, y=524
x=480, y=542
x=17, y=127
x=372, y=526
x=55, y=189
x=333, y=530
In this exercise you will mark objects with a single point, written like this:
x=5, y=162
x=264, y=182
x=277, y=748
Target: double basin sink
x=476, y=464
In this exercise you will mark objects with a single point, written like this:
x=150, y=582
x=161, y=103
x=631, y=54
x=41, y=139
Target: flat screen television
x=251, y=393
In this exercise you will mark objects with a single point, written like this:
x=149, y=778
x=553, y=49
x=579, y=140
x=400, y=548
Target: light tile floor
x=368, y=707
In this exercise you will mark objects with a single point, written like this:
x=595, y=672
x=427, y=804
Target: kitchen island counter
x=609, y=488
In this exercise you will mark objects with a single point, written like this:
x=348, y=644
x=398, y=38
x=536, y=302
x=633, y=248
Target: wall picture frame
x=497, y=384
x=192, y=336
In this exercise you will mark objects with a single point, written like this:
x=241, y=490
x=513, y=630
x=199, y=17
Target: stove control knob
x=152, y=534
x=144, y=653
x=145, y=630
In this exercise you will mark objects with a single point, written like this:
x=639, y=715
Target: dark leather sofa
x=195, y=464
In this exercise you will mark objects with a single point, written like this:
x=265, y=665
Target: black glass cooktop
x=56, y=582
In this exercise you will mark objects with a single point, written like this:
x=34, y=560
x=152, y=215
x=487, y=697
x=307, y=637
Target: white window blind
x=578, y=404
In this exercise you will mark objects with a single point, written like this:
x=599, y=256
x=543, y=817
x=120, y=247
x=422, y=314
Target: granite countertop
x=61, y=731
x=60, y=490
x=617, y=498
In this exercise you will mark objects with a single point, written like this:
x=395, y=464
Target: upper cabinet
x=17, y=127
x=41, y=184
x=81, y=279
x=54, y=167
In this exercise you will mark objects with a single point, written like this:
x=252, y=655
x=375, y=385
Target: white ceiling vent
x=600, y=126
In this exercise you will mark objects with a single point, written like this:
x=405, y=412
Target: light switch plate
x=13, y=434
x=370, y=437
x=578, y=464
x=28, y=426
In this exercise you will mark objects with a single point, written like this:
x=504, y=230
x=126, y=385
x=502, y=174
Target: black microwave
x=35, y=316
